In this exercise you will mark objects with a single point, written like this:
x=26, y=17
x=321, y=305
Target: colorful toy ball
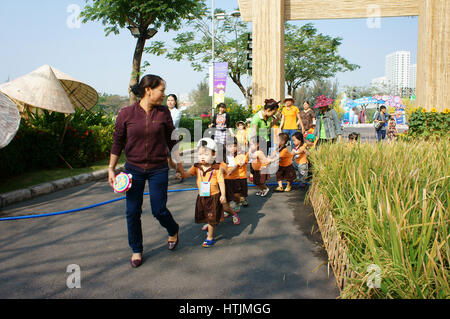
x=123, y=183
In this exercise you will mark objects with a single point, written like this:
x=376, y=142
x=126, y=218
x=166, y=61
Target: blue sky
x=33, y=33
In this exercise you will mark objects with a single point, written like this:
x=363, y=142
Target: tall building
x=397, y=69
x=412, y=76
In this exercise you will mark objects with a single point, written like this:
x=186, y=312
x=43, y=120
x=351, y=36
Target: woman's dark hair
x=299, y=136
x=221, y=105
x=382, y=107
x=175, y=98
x=152, y=81
x=270, y=104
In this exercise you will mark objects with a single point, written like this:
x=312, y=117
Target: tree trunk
x=245, y=92
x=289, y=88
x=137, y=58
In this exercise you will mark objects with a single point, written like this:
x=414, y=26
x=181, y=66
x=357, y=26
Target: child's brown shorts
x=286, y=173
x=259, y=178
x=209, y=210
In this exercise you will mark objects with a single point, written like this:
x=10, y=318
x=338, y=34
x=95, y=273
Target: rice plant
x=390, y=203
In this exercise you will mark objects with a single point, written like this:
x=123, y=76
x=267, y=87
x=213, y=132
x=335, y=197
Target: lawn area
x=43, y=176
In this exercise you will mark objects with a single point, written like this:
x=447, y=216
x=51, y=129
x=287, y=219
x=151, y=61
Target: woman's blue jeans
x=381, y=135
x=158, y=180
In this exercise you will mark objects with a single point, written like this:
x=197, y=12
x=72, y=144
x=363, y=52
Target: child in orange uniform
x=258, y=161
x=211, y=185
x=300, y=153
x=285, y=170
x=230, y=168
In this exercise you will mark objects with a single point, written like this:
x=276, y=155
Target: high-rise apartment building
x=412, y=76
x=398, y=68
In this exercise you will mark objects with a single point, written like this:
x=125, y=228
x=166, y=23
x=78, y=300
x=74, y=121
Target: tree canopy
x=311, y=56
x=141, y=14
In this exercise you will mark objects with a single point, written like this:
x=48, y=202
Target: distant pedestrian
x=328, y=126
x=392, y=132
x=291, y=121
x=221, y=122
x=262, y=122
x=380, y=120
x=172, y=104
x=307, y=115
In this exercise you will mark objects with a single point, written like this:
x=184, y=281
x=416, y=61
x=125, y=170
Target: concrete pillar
x=268, y=50
x=433, y=56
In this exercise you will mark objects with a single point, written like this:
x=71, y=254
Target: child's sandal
x=279, y=189
x=208, y=243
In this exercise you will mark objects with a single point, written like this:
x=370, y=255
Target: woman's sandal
x=208, y=243
x=136, y=263
x=173, y=244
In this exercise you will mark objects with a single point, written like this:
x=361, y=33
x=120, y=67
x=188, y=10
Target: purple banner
x=220, y=81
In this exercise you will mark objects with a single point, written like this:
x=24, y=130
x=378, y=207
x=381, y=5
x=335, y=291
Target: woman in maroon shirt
x=144, y=129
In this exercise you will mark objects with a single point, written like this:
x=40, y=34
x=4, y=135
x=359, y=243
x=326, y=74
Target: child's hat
x=311, y=137
x=208, y=143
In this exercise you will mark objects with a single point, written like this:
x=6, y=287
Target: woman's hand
x=111, y=176
x=223, y=200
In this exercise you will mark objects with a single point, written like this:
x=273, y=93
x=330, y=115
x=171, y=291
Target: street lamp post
x=220, y=16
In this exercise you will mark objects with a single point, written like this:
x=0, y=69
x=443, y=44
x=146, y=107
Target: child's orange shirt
x=204, y=176
x=285, y=157
x=240, y=172
x=242, y=160
x=302, y=157
x=257, y=164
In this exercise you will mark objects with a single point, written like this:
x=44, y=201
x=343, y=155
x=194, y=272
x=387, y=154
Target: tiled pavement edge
x=21, y=195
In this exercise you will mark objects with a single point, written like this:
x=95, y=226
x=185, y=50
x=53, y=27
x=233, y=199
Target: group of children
x=223, y=187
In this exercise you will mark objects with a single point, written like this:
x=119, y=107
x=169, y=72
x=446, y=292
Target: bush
x=30, y=149
x=427, y=124
x=188, y=123
x=37, y=144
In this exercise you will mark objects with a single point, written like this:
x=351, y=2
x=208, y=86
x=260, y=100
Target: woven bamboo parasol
x=38, y=89
x=9, y=120
x=81, y=95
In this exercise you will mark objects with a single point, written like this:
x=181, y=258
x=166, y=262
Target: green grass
x=47, y=175
x=390, y=203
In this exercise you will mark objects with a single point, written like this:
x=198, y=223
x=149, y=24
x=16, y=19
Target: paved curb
x=17, y=196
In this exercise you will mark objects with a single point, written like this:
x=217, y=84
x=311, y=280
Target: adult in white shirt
x=172, y=104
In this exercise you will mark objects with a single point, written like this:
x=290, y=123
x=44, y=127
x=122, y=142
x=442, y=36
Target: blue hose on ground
x=108, y=202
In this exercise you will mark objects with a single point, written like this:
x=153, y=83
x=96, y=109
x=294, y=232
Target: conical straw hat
x=81, y=95
x=9, y=120
x=39, y=89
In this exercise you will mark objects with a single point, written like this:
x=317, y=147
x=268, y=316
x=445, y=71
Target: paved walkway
x=276, y=251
